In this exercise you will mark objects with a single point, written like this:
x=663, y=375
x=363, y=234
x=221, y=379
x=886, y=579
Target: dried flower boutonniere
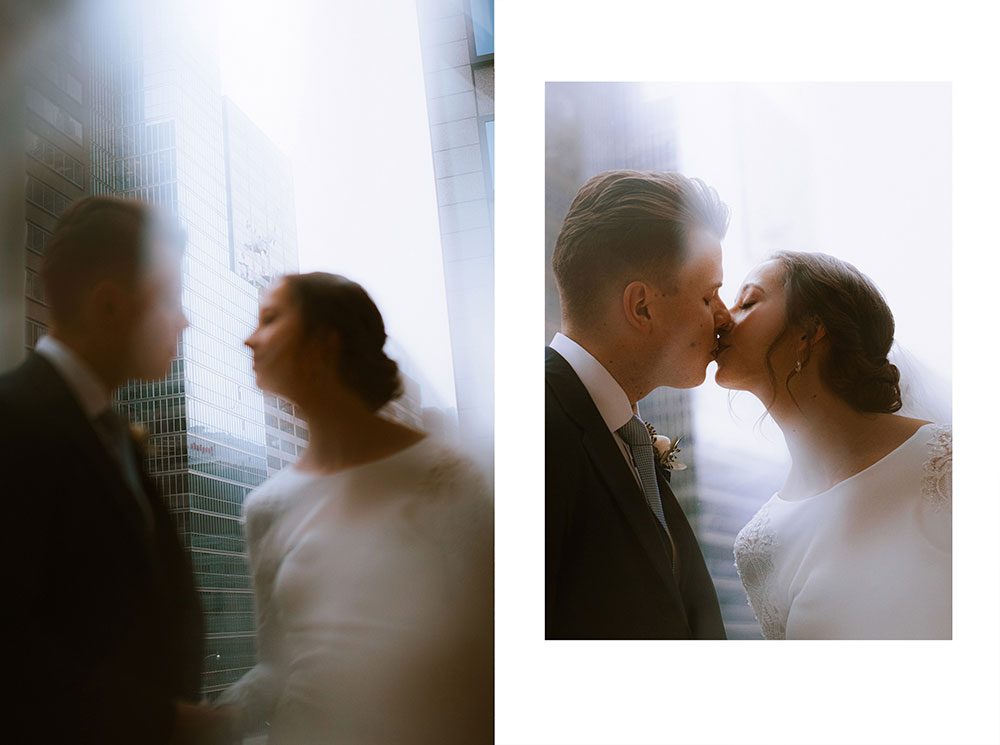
x=666, y=450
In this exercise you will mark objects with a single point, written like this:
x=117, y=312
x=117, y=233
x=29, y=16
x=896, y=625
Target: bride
x=371, y=556
x=857, y=542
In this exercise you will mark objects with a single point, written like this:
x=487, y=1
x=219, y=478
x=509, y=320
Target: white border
x=743, y=692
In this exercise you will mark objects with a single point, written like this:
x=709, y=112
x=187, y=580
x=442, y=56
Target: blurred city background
x=314, y=136
x=858, y=170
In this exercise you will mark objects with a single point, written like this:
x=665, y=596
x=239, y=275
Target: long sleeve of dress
x=258, y=690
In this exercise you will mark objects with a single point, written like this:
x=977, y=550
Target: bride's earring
x=798, y=366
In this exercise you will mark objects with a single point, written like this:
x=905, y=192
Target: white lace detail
x=754, y=552
x=936, y=487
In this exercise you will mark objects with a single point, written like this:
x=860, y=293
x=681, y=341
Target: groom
x=102, y=620
x=638, y=263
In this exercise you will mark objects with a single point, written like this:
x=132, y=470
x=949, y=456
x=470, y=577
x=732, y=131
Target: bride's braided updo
x=821, y=289
x=330, y=302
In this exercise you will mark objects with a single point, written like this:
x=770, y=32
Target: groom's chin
x=693, y=380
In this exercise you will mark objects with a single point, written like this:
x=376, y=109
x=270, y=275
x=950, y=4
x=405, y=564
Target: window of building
x=33, y=331
x=481, y=19
x=33, y=285
x=44, y=196
x=55, y=158
x=55, y=115
x=36, y=238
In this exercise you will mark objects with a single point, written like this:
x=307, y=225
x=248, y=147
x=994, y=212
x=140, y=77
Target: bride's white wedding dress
x=869, y=558
x=374, y=593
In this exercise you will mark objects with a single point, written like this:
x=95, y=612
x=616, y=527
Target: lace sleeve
x=754, y=552
x=936, y=488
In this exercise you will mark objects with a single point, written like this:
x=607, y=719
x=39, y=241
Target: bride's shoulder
x=937, y=465
x=446, y=482
x=448, y=466
x=271, y=495
x=936, y=437
x=921, y=433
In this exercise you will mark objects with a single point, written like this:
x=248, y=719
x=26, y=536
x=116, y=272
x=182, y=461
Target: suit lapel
x=677, y=520
x=608, y=461
x=72, y=421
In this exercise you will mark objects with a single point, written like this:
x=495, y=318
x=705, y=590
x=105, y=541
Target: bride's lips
x=719, y=349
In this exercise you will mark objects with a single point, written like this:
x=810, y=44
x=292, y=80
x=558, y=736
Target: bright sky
x=339, y=88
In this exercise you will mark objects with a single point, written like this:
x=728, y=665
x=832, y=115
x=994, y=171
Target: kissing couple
x=856, y=544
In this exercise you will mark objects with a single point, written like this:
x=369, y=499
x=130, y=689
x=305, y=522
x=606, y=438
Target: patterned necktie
x=637, y=438
x=116, y=438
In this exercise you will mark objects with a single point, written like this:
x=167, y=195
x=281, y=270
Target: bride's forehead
x=767, y=274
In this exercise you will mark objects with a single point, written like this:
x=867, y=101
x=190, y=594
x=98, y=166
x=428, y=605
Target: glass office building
x=262, y=246
x=55, y=110
x=164, y=124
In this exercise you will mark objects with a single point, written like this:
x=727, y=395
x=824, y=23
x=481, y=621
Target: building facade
x=262, y=246
x=456, y=39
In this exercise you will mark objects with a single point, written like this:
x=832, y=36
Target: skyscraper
x=456, y=39
x=57, y=146
x=207, y=442
x=262, y=246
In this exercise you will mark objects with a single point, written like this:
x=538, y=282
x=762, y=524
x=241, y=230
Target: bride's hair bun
x=330, y=302
x=821, y=290
x=875, y=389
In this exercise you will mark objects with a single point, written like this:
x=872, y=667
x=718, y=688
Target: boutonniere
x=666, y=450
x=139, y=436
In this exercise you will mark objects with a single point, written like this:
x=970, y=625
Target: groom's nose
x=723, y=319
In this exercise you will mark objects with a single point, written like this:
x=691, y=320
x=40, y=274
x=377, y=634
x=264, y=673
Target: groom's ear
x=635, y=303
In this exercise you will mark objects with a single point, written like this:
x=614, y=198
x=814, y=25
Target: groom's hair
x=628, y=225
x=98, y=238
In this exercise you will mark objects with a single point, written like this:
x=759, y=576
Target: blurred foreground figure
x=372, y=555
x=105, y=636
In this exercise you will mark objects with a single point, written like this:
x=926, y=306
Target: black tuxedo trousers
x=103, y=629
x=608, y=573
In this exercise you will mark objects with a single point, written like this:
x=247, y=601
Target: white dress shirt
x=611, y=401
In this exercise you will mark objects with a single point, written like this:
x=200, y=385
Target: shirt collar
x=77, y=374
x=611, y=401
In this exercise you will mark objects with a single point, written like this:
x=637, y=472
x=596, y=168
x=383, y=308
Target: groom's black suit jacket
x=607, y=571
x=104, y=626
